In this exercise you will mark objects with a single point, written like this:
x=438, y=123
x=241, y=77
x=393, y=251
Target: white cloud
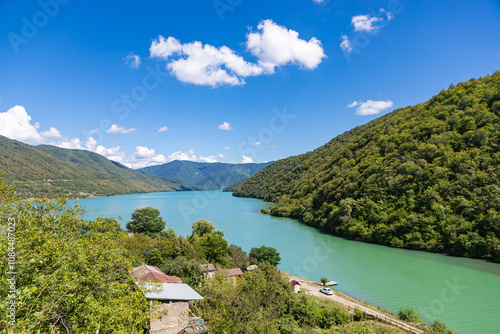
x=114, y=129
x=275, y=45
x=246, y=160
x=163, y=129
x=144, y=157
x=226, y=147
x=133, y=60
x=226, y=126
x=15, y=123
x=370, y=107
x=366, y=23
x=319, y=1
x=203, y=64
x=347, y=44
x=258, y=143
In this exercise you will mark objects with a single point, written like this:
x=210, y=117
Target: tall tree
x=147, y=221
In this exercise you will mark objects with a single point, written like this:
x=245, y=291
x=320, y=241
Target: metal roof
x=147, y=273
x=174, y=291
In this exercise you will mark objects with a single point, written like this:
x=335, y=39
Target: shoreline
x=311, y=287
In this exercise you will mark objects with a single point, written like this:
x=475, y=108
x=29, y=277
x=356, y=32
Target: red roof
x=231, y=272
x=147, y=273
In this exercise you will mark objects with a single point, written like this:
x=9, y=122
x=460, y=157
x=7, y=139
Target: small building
x=175, y=298
x=208, y=269
x=234, y=273
x=147, y=273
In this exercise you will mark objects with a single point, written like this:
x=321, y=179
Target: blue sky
x=227, y=80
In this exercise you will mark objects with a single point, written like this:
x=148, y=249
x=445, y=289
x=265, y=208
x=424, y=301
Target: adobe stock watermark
x=31, y=26
x=322, y=252
x=128, y=101
x=363, y=38
x=448, y=295
x=223, y=6
x=11, y=273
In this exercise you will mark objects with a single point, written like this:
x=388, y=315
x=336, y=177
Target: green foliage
x=425, y=177
x=439, y=327
x=265, y=254
x=147, y=221
x=323, y=280
x=212, y=247
x=409, y=315
x=73, y=275
x=202, y=227
x=47, y=171
x=188, y=270
x=237, y=258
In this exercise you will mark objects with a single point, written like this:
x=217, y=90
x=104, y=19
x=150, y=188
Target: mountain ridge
x=424, y=177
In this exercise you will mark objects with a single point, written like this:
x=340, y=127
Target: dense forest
x=424, y=177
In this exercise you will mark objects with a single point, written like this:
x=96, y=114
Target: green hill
x=48, y=171
x=215, y=175
x=424, y=177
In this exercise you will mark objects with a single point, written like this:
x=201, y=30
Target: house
x=147, y=273
x=208, y=269
x=234, y=273
x=175, y=298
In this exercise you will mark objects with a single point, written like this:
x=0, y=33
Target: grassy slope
x=424, y=177
x=49, y=171
x=207, y=175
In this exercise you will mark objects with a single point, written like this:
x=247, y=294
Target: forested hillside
x=41, y=171
x=216, y=175
x=424, y=177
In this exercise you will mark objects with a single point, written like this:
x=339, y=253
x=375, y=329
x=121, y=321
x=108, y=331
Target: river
x=464, y=293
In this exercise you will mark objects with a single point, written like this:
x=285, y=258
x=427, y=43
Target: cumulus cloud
x=366, y=23
x=204, y=64
x=246, y=160
x=15, y=123
x=144, y=157
x=162, y=129
x=370, y=107
x=226, y=126
x=114, y=129
x=226, y=147
x=347, y=44
x=133, y=60
x=275, y=45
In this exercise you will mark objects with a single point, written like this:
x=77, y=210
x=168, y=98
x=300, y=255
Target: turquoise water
x=463, y=293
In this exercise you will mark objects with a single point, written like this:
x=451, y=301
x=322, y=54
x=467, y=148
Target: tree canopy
x=265, y=254
x=425, y=177
x=147, y=221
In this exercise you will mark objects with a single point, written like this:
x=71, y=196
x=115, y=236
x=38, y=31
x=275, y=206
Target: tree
x=238, y=258
x=409, y=314
x=213, y=248
x=147, y=221
x=324, y=280
x=202, y=227
x=73, y=275
x=265, y=254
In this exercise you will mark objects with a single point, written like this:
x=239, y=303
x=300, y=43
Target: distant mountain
x=424, y=177
x=215, y=175
x=48, y=171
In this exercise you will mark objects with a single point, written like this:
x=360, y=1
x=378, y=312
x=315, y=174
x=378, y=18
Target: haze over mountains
x=215, y=175
x=425, y=177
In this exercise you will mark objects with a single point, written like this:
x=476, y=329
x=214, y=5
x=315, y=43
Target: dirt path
x=313, y=289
